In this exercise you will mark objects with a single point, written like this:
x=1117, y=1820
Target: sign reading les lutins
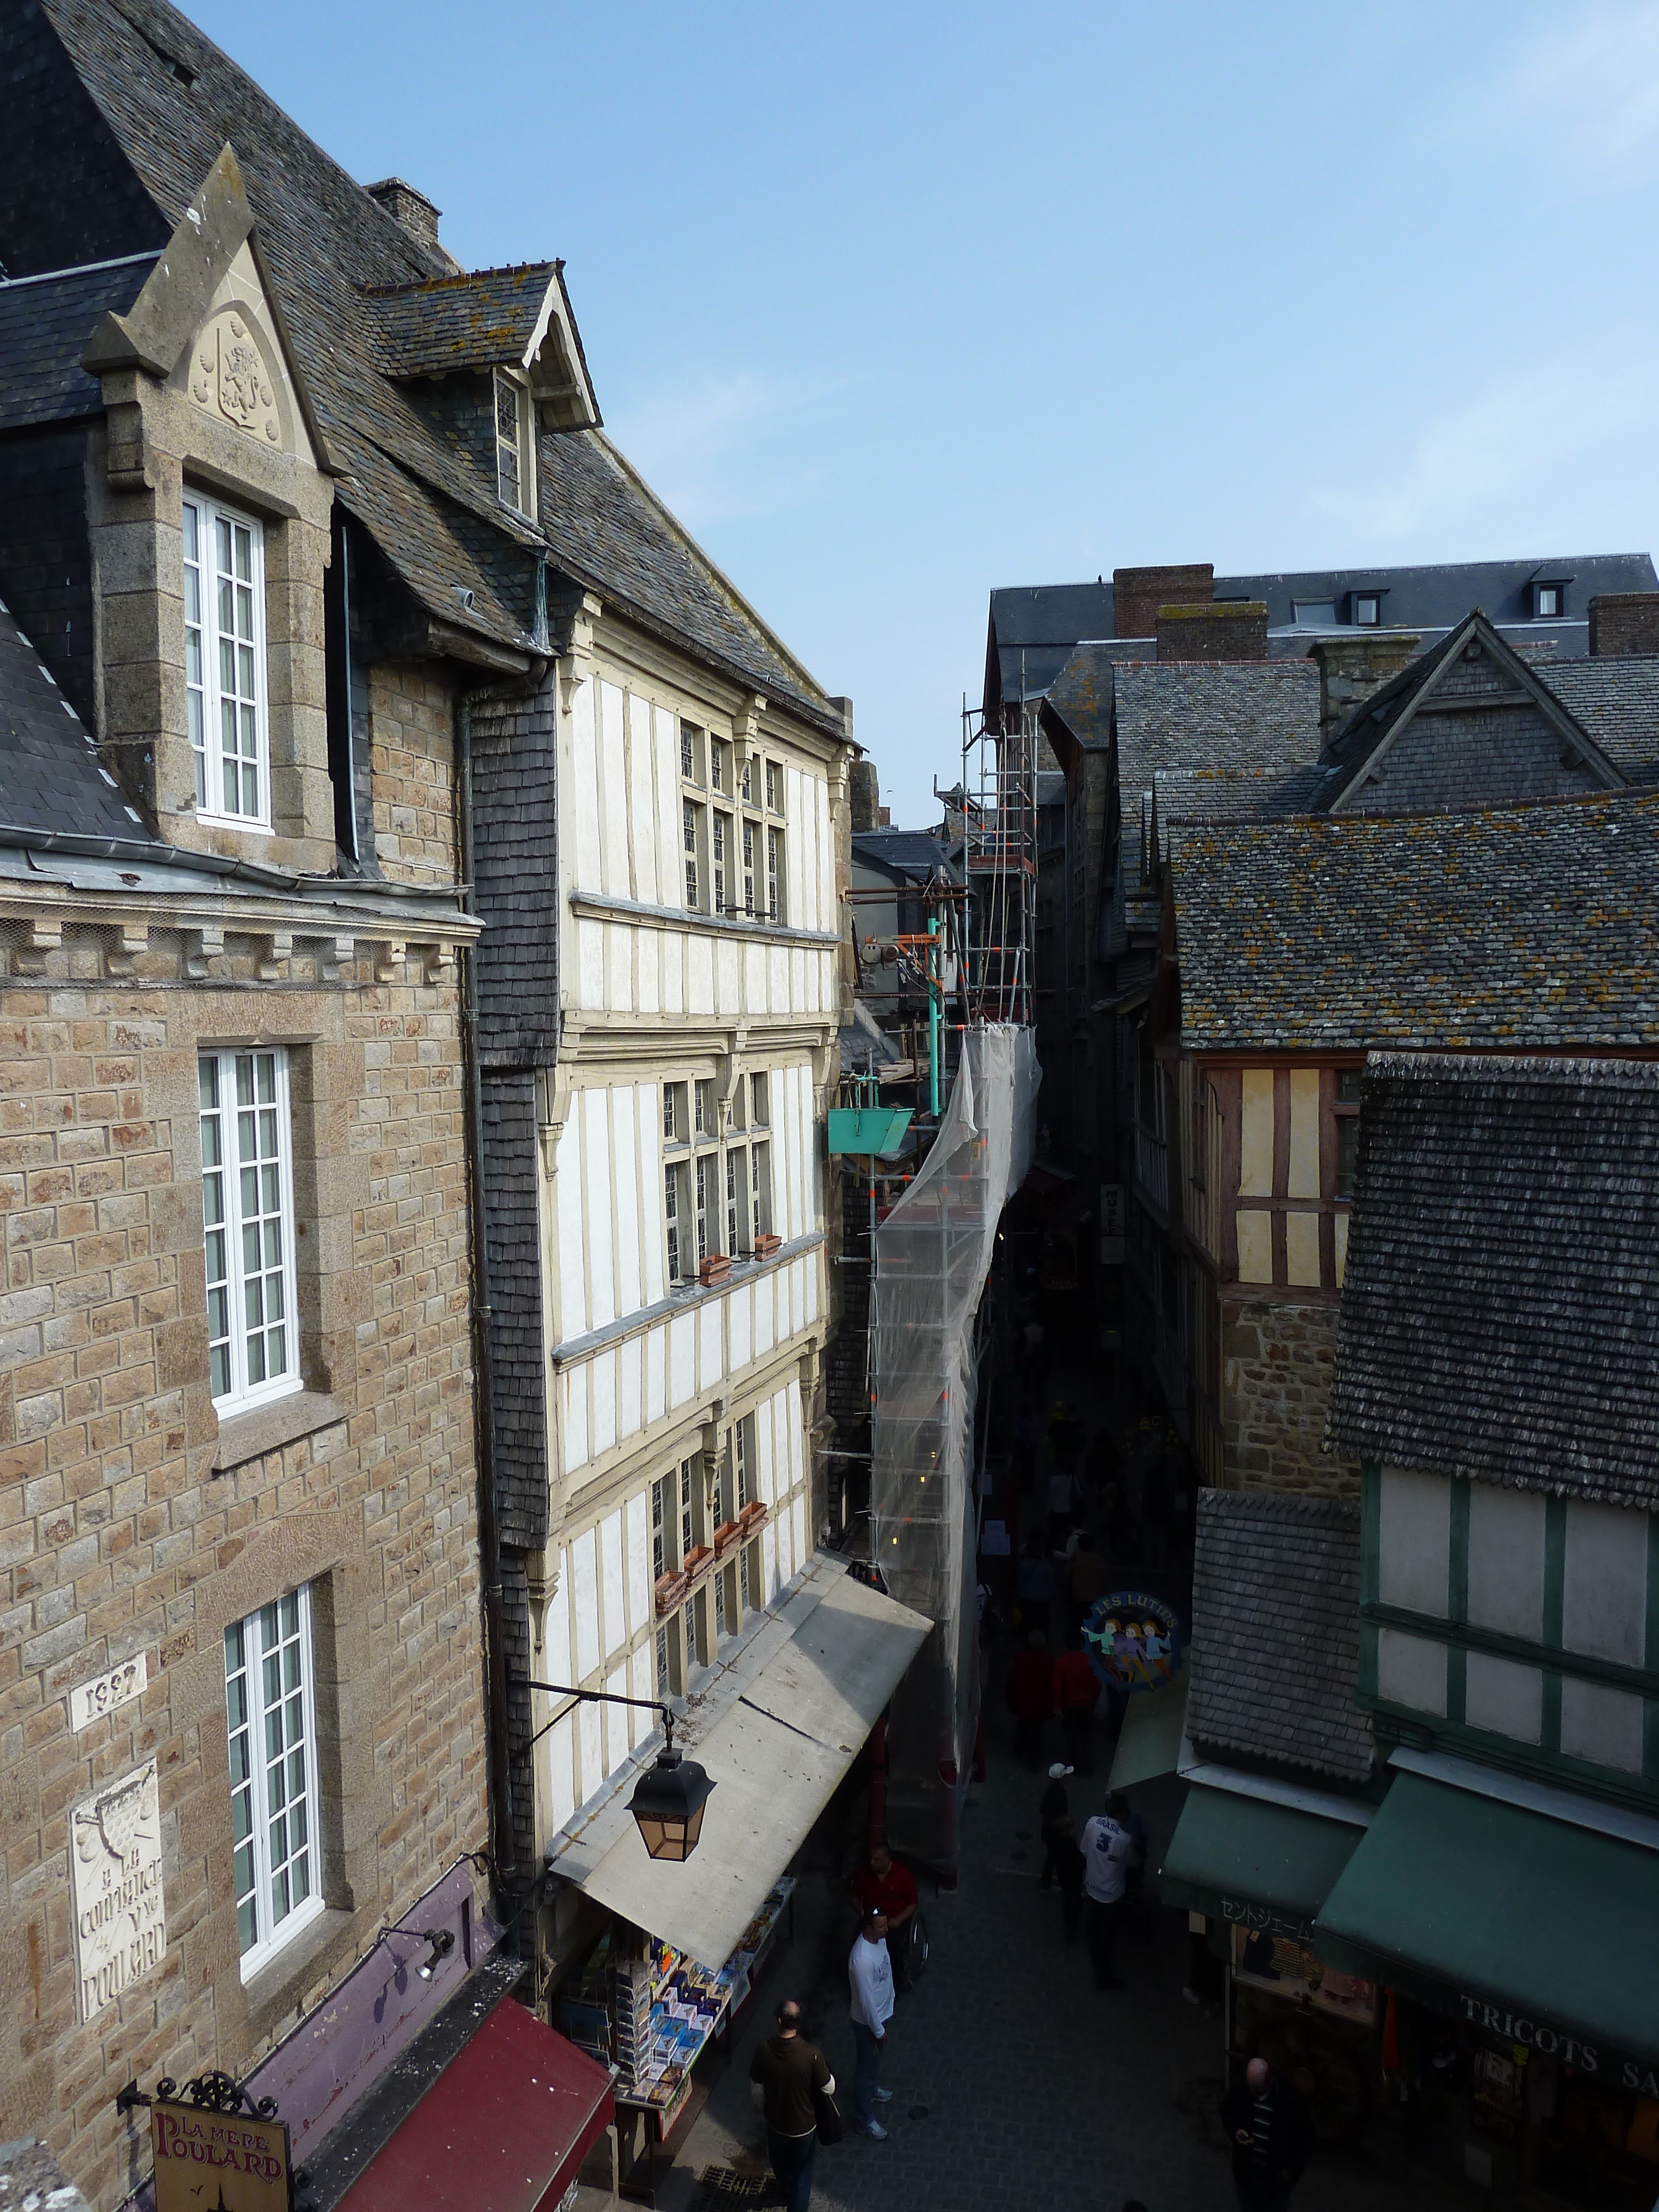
x=209, y=2161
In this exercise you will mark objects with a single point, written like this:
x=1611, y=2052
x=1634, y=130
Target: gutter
x=141, y=852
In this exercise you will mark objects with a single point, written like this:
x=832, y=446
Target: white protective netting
x=932, y=1254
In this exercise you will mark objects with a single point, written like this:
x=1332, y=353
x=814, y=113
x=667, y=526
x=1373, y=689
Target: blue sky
x=893, y=304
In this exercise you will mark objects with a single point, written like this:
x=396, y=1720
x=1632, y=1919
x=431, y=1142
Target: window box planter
x=752, y=1517
x=767, y=1245
x=715, y=1268
x=671, y=1589
x=698, y=1560
x=728, y=1534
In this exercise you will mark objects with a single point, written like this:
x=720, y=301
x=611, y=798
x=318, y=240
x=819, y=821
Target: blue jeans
x=867, y=2073
x=792, y=2168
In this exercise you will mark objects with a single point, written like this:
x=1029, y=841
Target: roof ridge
x=455, y=279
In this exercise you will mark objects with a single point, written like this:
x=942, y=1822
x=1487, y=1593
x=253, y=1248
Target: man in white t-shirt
x=1108, y=1851
x=870, y=1970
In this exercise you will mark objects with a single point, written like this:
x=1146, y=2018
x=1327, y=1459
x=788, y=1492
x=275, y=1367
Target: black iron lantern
x=668, y=1803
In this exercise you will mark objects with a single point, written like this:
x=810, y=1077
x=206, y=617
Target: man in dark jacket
x=784, y=2074
x=1268, y=2126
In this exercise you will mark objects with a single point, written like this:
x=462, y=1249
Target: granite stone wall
x=1277, y=1359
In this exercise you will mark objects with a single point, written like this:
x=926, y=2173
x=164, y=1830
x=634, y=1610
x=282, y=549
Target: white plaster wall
x=1601, y=1724
x=1604, y=1583
x=615, y=875
x=1411, y=1670
x=1415, y=1542
x=1506, y=1560
x=1506, y=1698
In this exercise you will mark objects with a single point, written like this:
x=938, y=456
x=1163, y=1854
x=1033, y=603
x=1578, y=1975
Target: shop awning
x=1149, y=1741
x=1549, y=1917
x=776, y=1753
x=1231, y=1852
x=503, y=2129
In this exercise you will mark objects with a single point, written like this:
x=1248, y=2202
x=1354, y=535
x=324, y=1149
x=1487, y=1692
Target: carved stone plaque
x=230, y=377
x=115, y=1875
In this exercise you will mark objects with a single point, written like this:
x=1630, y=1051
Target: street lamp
x=670, y=1797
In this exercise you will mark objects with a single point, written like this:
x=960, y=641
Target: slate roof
x=51, y=777
x=1190, y=796
x=911, y=854
x=1616, y=702
x=44, y=324
x=1519, y=928
x=1208, y=713
x=472, y=321
x=1500, y=1315
x=327, y=243
x=1274, y=1673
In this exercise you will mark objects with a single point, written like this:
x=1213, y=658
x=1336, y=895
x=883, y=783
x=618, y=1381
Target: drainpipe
x=935, y=992
x=503, y=1850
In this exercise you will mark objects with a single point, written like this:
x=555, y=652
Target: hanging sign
x=218, y=2162
x=1133, y=1641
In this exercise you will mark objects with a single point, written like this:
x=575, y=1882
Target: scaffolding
x=1000, y=859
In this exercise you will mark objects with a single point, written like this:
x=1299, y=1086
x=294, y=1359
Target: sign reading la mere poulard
x=207, y=2161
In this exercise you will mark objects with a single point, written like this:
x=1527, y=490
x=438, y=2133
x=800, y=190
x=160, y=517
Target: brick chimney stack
x=864, y=795
x=1213, y=629
x=410, y=210
x=1624, y=623
x=1137, y=593
x=1352, y=668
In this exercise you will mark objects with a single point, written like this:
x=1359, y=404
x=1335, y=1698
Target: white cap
x=1059, y=1771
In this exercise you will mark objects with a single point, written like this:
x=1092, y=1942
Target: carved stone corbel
x=41, y=938
x=726, y=1071
x=555, y=1089
x=571, y=618
x=334, y=953
x=277, y=949
x=130, y=940
x=202, y=945
x=389, y=960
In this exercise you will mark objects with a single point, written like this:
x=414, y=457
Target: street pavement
x=1016, y=2086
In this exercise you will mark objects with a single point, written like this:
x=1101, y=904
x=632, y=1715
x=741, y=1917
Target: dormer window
x=1549, y=602
x=1367, y=610
x=514, y=451
x=1315, y=614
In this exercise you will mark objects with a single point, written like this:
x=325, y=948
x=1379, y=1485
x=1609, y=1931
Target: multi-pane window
x=705, y=1109
x=774, y=875
x=272, y=1731
x=673, y=1113
x=748, y=779
x=759, y=1117
x=1347, y=1129
x=662, y=1526
x=760, y=1192
x=688, y=1509
x=748, y=837
x=688, y=753
x=671, y=1206
x=774, y=787
x=716, y=765
x=736, y=1206
x=247, y=1207
x=225, y=691
x=513, y=461
x=704, y=1172
x=720, y=846
x=742, y=1457
x=691, y=834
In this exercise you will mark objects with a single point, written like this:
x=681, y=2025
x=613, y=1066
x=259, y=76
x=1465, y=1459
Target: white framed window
x=1550, y=598
x=515, y=465
x=760, y=1192
x=704, y=1095
x=705, y=1170
x=759, y=1112
x=737, y=1201
x=1367, y=610
x=774, y=786
x=691, y=834
x=674, y=1131
x=270, y=1713
x=247, y=1210
x=690, y=753
x=226, y=693
x=748, y=779
x=688, y=1509
x=751, y=835
x=720, y=851
x=775, y=877
x=673, y=1212
x=717, y=766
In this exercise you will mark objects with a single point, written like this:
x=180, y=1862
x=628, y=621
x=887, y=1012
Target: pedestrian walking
x=785, y=2075
x=870, y=1971
x=1077, y=1693
x=1070, y=1867
x=1030, y=1696
x=1107, y=1850
x=1053, y=1807
x=1267, y=2125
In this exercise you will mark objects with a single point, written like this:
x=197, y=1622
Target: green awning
x=1148, y=1742
x=1554, y=1920
x=1240, y=1858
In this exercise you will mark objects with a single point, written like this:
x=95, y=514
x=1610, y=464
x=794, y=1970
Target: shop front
x=681, y=1950
x=1253, y=1860
x=1517, y=1942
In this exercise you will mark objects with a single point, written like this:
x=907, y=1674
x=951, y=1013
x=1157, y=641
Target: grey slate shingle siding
x=1616, y=703
x=43, y=329
x=519, y=1655
x=516, y=865
x=1275, y=1664
x=1514, y=929
x=50, y=774
x=46, y=555
x=512, y=1243
x=1500, y=1315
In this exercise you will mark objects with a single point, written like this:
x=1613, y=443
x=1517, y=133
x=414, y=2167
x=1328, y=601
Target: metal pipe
x=934, y=990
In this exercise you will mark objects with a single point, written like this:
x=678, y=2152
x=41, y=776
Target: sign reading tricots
x=115, y=1873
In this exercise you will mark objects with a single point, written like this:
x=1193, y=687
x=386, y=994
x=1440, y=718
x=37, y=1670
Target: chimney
x=410, y=210
x=1352, y=668
x=864, y=794
x=1137, y=593
x=1624, y=623
x=1213, y=629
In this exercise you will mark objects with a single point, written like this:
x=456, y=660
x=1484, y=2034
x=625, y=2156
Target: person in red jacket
x=1077, y=1691
x=1030, y=1695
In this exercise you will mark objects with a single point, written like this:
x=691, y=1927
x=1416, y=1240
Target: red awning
x=503, y=2127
